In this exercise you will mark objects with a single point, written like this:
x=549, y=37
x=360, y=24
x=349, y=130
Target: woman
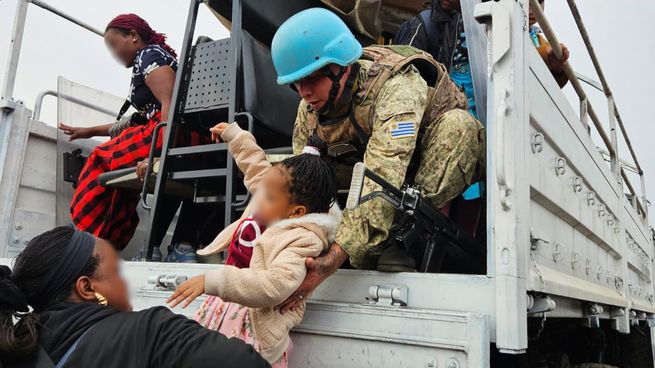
x=81, y=314
x=111, y=213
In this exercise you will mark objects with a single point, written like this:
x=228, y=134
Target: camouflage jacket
x=402, y=99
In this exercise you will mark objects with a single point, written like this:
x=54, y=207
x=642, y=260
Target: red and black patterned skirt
x=110, y=213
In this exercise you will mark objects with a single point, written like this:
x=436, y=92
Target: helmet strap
x=334, y=91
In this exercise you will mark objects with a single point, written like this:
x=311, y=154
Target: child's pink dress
x=231, y=319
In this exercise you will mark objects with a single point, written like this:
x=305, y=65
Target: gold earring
x=101, y=299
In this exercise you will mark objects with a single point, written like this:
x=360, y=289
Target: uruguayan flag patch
x=403, y=129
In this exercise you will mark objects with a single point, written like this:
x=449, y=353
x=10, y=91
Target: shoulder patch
x=403, y=129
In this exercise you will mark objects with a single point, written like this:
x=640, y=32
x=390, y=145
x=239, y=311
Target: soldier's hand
x=318, y=269
x=188, y=291
x=217, y=130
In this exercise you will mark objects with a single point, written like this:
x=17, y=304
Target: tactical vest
x=387, y=61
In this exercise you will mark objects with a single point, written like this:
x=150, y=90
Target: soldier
x=374, y=104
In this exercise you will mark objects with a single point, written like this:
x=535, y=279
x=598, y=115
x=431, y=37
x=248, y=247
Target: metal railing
x=17, y=38
x=586, y=110
x=39, y=103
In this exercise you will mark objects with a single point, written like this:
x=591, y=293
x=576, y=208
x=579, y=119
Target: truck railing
x=17, y=39
x=36, y=115
x=587, y=110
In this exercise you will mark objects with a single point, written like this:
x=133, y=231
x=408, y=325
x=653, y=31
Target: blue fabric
x=460, y=70
x=534, y=35
x=474, y=191
x=461, y=75
x=310, y=40
x=147, y=59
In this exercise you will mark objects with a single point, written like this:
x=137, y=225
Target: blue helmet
x=310, y=40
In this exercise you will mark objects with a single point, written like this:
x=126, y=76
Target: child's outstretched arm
x=188, y=291
x=245, y=286
x=249, y=157
x=256, y=288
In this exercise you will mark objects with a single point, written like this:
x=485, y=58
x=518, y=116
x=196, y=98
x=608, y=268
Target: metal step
x=216, y=199
x=198, y=174
x=194, y=150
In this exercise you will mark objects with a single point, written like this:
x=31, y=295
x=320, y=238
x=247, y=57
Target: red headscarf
x=130, y=22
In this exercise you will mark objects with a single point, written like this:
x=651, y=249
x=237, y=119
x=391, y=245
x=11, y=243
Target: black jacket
x=154, y=337
x=435, y=31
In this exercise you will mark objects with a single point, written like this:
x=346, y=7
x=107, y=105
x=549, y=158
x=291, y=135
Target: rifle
x=428, y=234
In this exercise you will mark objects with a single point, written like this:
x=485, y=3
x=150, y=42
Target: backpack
x=420, y=32
x=388, y=60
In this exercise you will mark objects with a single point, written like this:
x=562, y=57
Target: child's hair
x=312, y=182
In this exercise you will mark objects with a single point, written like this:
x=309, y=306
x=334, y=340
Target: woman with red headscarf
x=111, y=213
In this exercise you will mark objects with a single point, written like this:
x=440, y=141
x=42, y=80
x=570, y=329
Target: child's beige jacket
x=277, y=267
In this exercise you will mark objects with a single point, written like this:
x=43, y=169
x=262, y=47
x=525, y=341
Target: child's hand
x=217, y=130
x=189, y=291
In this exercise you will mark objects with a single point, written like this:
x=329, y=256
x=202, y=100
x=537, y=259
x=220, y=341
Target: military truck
x=568, y=268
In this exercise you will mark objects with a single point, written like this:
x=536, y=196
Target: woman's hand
x=217, y=130
x=188, y=291
x=74, y=133
x=318, y=269
x=142, y=168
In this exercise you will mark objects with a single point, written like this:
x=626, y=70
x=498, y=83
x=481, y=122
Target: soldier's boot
x=396, y=259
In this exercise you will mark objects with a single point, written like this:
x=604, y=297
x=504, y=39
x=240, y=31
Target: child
x=295, y=201
x=555, y=65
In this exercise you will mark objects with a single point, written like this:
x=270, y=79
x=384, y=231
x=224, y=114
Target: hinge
x=388, y=295
x=166, y=282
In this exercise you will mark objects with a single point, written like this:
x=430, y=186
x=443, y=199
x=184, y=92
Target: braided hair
x=23, y=287
x=312, y=182
x=127, y=22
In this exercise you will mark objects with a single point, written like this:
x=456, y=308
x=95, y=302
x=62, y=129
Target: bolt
x=575, y=260
x=577, y=184
x=19, y=227
x=557, y=252
x=537, y=142
x=595, y=309
x=560, y=166
x=452, y=363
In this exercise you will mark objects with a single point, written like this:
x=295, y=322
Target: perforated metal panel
x=209, y=86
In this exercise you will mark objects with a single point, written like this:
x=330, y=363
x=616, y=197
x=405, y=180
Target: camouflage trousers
x=452, y=156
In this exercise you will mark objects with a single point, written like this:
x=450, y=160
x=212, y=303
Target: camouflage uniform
x=451, y=151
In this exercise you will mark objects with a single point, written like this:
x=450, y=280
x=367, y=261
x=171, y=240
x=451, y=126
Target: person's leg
x=451, y=152
x=452, y=157
x=105, y=212
x=196, y=226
